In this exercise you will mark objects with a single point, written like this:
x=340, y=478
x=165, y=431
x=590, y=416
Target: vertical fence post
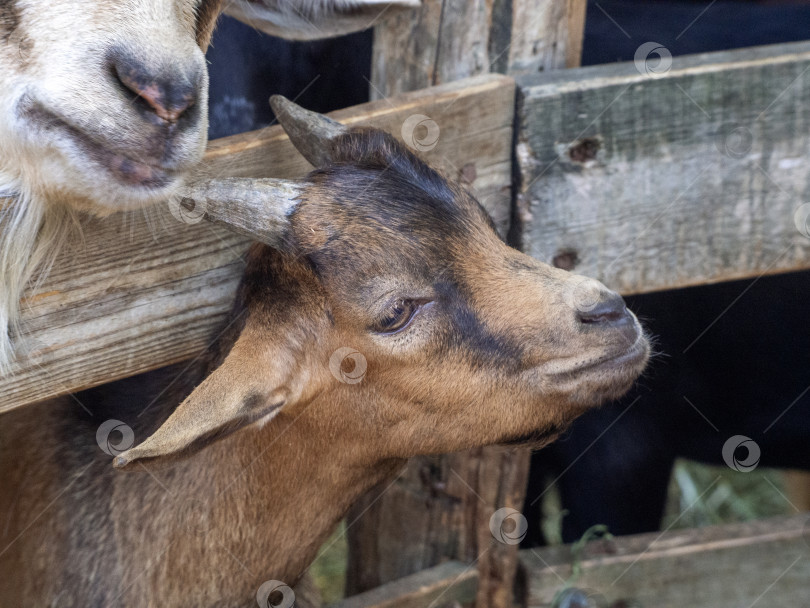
x=440, y=507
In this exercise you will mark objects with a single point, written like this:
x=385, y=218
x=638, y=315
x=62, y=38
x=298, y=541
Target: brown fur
x=207, y=13
x=496, y=352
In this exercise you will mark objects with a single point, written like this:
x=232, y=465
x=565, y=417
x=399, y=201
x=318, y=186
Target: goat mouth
x=631, y=359
x=637, y=353
x=125, y=169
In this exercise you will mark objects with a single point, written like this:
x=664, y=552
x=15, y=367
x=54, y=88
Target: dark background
x=246, y=66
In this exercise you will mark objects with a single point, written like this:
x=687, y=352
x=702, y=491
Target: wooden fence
x=688, y=177
x=646, y=182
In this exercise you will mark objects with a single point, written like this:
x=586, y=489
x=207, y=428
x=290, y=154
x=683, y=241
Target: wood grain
x=448, y=584
x=763, y=563
x=687, y=177
x=450, y=39
x=440, y=507
x=145, y=290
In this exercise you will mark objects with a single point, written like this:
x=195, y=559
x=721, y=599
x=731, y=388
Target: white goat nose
x=169, y=93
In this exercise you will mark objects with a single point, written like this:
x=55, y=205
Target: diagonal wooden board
x=690, y=176
x=145, y=290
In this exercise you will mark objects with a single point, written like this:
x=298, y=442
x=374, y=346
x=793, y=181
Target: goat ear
x=238, y=393
x=312, y=134
x=322, y=19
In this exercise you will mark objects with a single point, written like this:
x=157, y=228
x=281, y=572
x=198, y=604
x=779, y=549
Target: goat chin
x=34, y=227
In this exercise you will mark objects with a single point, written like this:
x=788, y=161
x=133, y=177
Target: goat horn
x=257, y=208
x=311, y=133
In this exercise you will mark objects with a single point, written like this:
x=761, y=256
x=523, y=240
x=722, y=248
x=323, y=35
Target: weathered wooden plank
x=545, y=36
x=143, y=291
x=686, y=176
x=439, y=586
x=440, y=507
x=762, y=563
x=450, y=39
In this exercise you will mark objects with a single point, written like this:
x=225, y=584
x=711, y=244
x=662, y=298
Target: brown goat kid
x=456, y=341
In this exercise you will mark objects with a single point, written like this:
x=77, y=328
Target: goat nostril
x=610, y=310
x=169, y=96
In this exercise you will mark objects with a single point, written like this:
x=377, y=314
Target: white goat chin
x=102, y=104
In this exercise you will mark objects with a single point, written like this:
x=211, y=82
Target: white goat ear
x=248, y=387
x=313, y=19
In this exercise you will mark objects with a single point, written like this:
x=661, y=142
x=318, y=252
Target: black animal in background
x=748, y=374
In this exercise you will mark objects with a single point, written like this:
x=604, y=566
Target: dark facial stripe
x=469, y=334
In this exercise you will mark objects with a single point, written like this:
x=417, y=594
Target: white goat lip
x=135, y=173
x=124, y=168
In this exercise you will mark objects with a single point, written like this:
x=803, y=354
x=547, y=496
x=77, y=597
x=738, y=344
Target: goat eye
x=398, y=316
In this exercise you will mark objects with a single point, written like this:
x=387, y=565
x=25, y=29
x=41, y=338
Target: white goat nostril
x=167, y=93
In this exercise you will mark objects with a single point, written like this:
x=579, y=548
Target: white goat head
x=103, y=103
x=103, y=108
